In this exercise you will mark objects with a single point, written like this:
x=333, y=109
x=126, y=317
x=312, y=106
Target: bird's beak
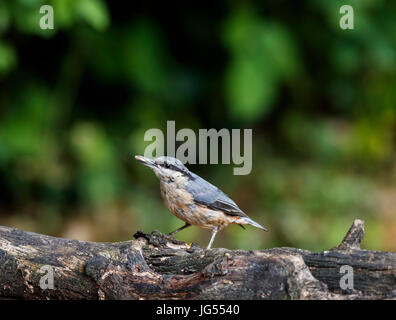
x=146, y=161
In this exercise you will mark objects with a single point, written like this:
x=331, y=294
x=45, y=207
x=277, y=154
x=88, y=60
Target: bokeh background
x=76, y=101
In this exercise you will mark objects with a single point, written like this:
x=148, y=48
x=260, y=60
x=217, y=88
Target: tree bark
x=156, y=266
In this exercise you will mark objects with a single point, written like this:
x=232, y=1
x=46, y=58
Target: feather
x=204, y=193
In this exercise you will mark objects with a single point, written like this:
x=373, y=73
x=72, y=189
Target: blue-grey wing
x=212, y=197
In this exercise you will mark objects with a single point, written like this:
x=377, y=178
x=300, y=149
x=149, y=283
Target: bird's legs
x=180, y=229
x=214, y=231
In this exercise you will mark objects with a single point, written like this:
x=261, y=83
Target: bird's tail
x=247, y=220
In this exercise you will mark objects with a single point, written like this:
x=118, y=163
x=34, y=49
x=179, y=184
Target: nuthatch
x=194, y=200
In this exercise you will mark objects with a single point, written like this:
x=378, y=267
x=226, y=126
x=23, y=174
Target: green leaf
x=8, y=58
x=146, y=58
x=250, y=92
x=263, y=54
x=94, y=12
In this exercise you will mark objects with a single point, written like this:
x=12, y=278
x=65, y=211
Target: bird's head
x=165, y=168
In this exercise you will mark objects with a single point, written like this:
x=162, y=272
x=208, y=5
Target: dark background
x=76, y=101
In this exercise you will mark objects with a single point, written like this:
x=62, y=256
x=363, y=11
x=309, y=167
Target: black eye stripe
x=184, y=171
x=171, y=166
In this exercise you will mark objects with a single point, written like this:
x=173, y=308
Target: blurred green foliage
x=76, y=101
x=251, y=81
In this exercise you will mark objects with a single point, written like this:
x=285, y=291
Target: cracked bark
x=156, y=266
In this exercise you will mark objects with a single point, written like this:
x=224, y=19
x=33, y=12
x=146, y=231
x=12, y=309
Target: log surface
x=156, y=266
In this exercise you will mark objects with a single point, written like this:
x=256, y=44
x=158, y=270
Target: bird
x=194, y=200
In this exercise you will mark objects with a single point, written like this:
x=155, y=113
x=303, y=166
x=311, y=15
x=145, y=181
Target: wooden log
x=156, y=266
